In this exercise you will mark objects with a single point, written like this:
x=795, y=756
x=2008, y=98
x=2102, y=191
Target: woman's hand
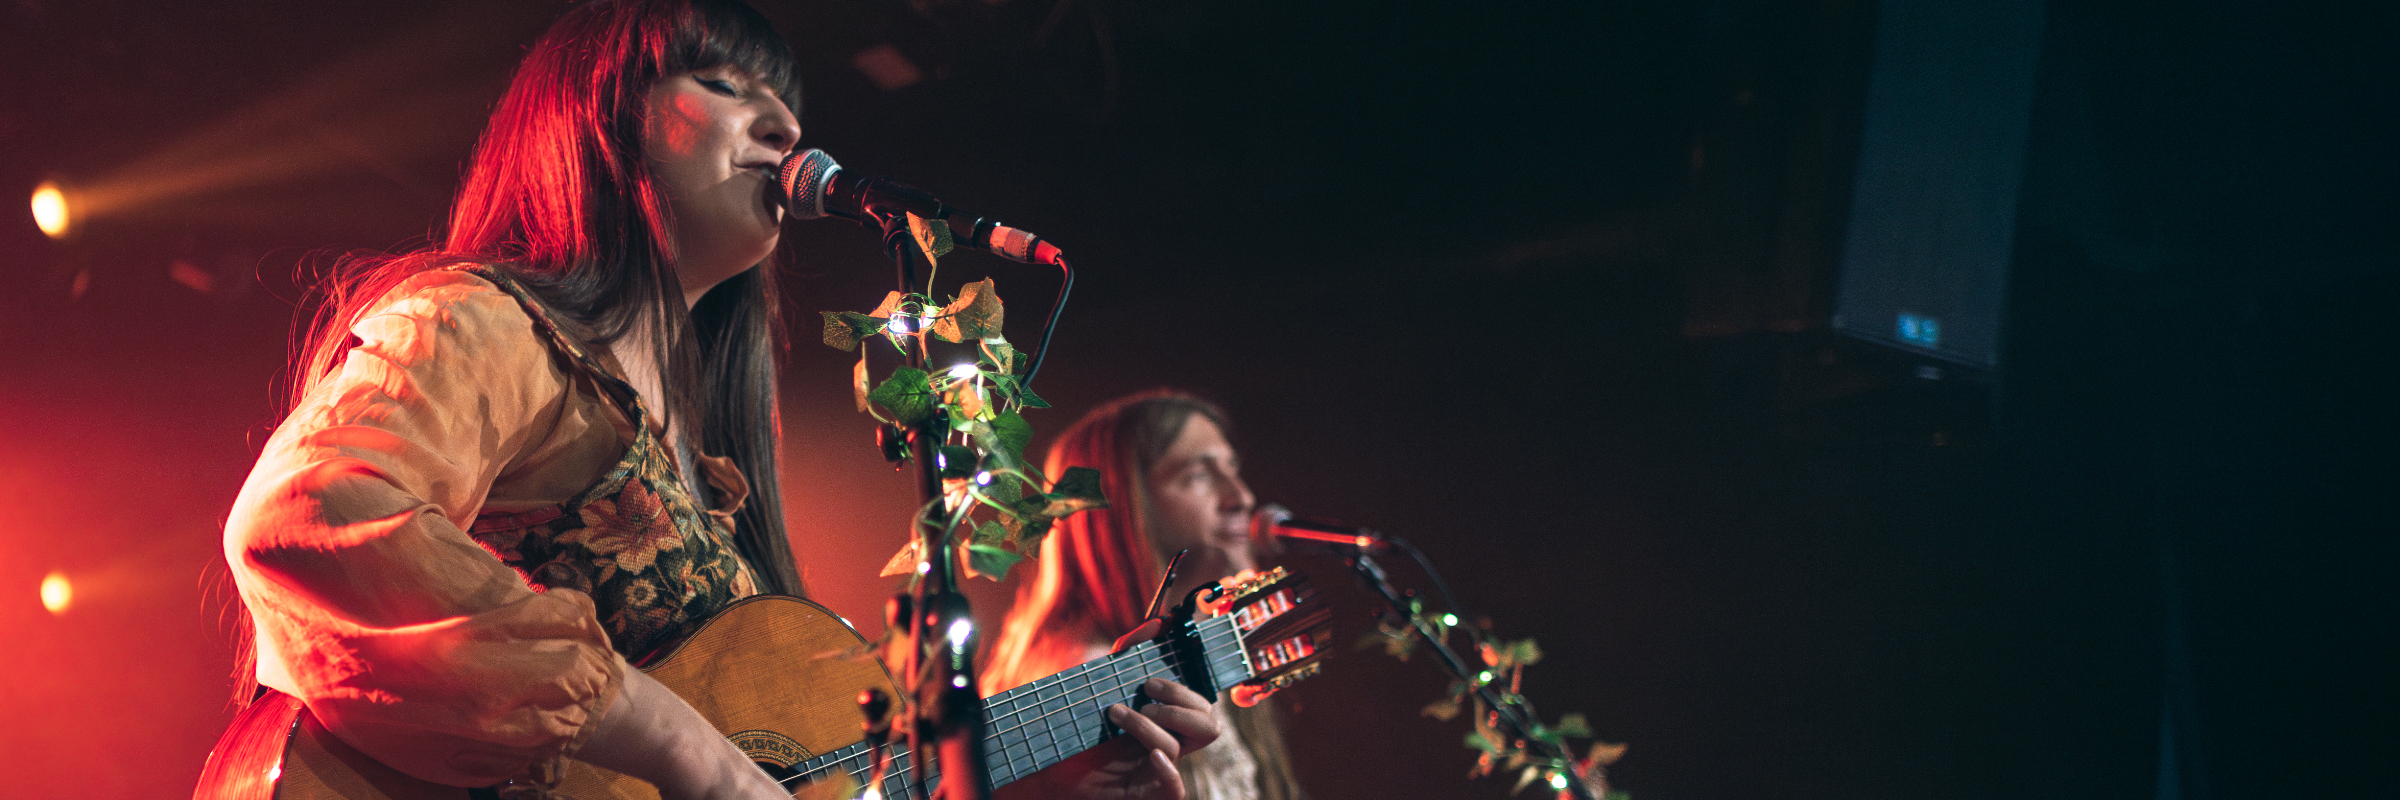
x=1141, y=764
x=651, y=734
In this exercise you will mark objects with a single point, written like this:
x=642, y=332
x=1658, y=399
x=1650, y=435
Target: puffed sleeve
x=404, y=637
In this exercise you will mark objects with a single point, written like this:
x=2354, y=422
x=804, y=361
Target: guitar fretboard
x=1043, y=722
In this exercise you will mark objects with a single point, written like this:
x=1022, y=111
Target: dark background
x=1541, y=286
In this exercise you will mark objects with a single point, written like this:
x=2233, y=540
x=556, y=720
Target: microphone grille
x=1268, y=515
x=805, y=176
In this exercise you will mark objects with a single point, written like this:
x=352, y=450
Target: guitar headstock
x=1283, y=628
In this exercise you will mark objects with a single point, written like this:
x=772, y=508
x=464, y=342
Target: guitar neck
x=1044, y=722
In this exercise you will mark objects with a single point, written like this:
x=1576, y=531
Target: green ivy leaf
x=991, y=562
x=1574, y=725
x=1004, y=491
x=977, y=310
x=907, y=395
x=1545, y=735
x=1476, y=740
x=974, y=315
x=1012, y=432
x=838, y=333
x=1026, y=397
x=1079, y=483
x=989, y=532
x=1000, y=354
x=932, y=235
x=1029, y=530
x=844, y=329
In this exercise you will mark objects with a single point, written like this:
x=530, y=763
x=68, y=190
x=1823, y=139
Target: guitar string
x=1005, y=756
x=1161, y=655
x=1026, y=758
x=1026, y=754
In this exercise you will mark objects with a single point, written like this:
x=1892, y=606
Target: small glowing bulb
x=1450, y=620
x=924, y=567
x=50, y=211
x=1558, y=781
x=960, y=629
x=963, y=372
x=1484, y=677
x=983, y=479
x=899, y=325
x=872, y=794
x=57, y=593
x=959, y=681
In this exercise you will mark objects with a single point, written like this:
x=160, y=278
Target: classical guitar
x=757, y=670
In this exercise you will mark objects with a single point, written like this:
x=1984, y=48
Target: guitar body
x=757, y=670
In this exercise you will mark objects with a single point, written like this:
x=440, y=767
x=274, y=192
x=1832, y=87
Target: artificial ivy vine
x=976, y=405
x=1504, y=672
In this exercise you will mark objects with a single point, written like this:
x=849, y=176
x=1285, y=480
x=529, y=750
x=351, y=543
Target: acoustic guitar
x=758, y=670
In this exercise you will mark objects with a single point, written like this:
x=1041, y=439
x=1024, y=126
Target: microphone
x=814, y=187
x=1274, y=523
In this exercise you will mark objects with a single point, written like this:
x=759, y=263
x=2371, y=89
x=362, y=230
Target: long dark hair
x=1097, y=567
x=559, y=195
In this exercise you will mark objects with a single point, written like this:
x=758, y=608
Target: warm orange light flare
x=50, y=210
x=57, y=593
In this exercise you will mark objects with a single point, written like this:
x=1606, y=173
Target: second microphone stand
x=1509, y=715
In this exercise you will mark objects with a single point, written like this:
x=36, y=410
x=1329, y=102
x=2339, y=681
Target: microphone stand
x=949, y=712
x=1511, y=716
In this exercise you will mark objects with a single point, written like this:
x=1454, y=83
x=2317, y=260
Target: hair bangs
x=715, y=34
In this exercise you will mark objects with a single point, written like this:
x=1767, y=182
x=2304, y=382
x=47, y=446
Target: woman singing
x=1178, y=484
x=514, y=461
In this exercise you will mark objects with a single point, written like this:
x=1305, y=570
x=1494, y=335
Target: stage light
x=57, y=593
x=51, y=211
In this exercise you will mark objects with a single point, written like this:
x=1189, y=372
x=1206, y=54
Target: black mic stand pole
x=1512, y=718
x=950, y=714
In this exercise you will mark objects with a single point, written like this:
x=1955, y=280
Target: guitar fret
x=1041, y=723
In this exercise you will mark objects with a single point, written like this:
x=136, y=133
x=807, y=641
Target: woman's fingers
x=1144, y=730
x=1181, y=712
x=1170, y=782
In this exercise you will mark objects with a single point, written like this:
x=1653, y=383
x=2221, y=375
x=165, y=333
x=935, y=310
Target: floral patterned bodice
x=655, y=562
